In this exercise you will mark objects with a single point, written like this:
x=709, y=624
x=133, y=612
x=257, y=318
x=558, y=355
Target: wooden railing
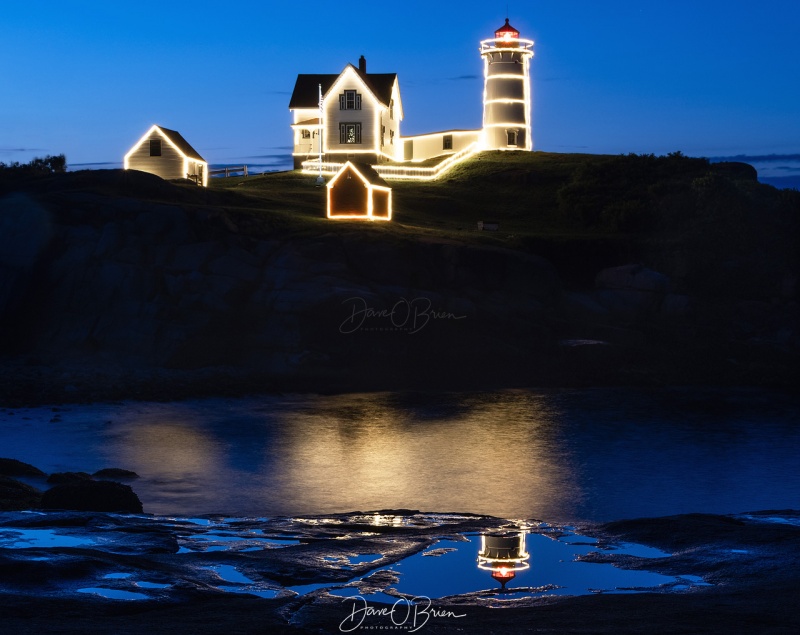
x=229, y=170
x=398, y=171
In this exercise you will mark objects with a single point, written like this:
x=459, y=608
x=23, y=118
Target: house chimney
x=362, y=64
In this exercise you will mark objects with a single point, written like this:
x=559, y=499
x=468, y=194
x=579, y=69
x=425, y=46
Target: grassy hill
x=711, y=227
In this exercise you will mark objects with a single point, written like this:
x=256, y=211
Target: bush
x=36, y=167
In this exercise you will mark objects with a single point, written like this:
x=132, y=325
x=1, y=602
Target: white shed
x=167, y=154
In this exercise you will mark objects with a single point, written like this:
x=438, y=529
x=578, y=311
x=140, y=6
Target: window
x=391, y=109
x=391, y=137
x=383, y=135
x=512, y=137
x=155, y=147
x=305, y=134
x=350, y=100
x=349, y=133
x=447, y=142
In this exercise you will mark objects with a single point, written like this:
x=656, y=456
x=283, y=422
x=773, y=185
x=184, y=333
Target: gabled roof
x=369, y=173
x=182, y=144
x=306, y=88
x=366, y=171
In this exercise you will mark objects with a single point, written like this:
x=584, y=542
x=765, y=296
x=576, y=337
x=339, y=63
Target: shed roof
x=182, y=144
x=369, y=173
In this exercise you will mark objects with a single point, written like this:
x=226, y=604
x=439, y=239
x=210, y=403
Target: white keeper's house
x=356, y=116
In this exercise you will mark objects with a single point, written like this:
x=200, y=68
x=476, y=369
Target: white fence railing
x=312, y=166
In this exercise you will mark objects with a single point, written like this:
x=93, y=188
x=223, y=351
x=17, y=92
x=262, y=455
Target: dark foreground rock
x=15, y=495
x=107, y=293
x=60, y=478
x=97, y=496
x=13, y=467
x=180, y=572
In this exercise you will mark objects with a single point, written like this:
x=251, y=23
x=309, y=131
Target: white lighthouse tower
x=507, y=91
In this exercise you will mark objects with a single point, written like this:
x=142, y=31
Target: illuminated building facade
x=356, y=116
x=358, y=119
x=506, y=92
x=167, y=154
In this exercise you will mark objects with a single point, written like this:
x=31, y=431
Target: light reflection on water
x=560, y=456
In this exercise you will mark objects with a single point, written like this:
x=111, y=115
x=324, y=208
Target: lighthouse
x=506, y=91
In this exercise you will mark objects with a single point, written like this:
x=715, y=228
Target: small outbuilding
x=167, y=154
x=357, y=191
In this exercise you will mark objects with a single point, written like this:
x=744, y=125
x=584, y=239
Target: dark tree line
x=38, y=166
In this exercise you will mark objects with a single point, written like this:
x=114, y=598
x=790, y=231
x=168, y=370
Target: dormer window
x=350, y=100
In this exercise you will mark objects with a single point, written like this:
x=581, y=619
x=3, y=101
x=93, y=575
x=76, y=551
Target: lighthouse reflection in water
x=504, y=556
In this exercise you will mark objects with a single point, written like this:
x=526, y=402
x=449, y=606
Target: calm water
x=559, y=456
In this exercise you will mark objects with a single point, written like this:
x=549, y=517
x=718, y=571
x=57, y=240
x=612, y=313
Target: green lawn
x=517, y=189
x=676, y=213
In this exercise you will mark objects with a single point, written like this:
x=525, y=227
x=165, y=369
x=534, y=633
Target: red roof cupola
x=506, y=33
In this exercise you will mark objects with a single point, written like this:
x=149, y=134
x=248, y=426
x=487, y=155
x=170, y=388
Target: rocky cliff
x=121, y=274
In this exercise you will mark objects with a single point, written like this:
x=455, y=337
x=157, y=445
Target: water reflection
x=504, y=556
x=560, y=456
x=372, y=452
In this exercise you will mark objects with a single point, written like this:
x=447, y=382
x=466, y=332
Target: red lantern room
x=506, y=35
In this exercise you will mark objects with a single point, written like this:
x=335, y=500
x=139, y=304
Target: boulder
x=632, y=294
x=59, y=478
x=17, y=496
x=677, y=307
x=111, y=473
x=92, y=496
x=12, y=467
x=636, y=277
x=582, y=307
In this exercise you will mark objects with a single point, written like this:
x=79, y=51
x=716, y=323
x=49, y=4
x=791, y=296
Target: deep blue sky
x=707, y=77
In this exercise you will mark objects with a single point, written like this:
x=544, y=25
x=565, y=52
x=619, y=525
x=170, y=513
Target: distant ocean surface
x=277, y=161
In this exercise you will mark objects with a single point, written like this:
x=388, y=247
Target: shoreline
x=749, y=563
x=30, y=385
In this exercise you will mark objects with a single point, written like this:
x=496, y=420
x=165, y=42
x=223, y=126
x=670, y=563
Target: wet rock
x=677, y=307
x=59, y=478
x=582, y=307
x=114, y=473
x=15, y=495
x=12, y=467
x=635, y=277
x=98, y=496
